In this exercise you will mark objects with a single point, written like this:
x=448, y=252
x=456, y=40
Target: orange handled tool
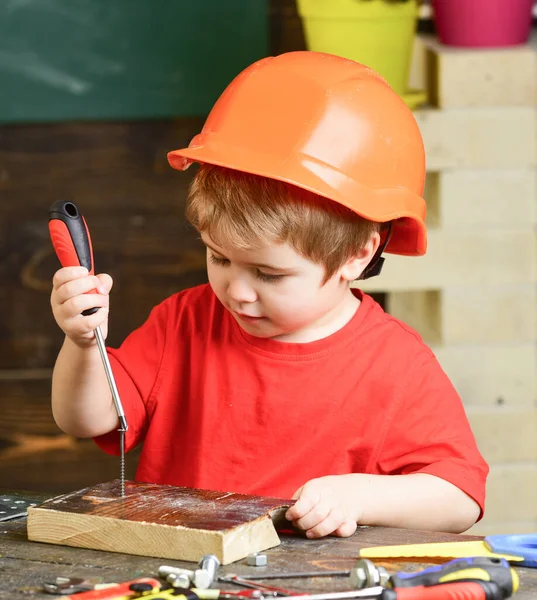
x=71, y=240
x=137, y=588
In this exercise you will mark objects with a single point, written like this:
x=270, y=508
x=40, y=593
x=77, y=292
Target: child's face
x=274, y=292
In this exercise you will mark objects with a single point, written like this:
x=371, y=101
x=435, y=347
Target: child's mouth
x=248, y=318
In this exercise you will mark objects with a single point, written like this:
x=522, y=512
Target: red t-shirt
x=217, y=408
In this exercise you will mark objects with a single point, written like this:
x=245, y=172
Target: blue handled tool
x=521, y=545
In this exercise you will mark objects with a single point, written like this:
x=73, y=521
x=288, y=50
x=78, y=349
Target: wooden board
x=159, y=520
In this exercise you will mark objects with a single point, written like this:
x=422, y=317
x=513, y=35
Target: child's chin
x=259, y=329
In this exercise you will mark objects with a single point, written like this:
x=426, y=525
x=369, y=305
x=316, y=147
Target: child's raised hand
x=70, y=297
x=324, y=506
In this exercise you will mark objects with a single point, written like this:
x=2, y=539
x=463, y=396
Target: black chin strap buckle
x=375, y=265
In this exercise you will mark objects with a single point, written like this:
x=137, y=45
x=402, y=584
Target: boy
x=277, y=378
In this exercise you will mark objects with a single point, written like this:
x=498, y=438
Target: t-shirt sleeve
x=137, y=370
x=429, y=433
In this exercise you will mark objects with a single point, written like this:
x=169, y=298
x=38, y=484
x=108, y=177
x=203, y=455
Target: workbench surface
x=25, y=565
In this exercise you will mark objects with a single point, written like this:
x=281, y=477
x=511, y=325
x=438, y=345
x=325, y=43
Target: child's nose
x=240, y=291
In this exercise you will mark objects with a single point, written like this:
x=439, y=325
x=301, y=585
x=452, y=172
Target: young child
x=277, y=378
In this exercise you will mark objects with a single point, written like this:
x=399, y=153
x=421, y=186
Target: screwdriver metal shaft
x=371, y=592
x=117, y=403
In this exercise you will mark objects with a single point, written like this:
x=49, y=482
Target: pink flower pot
x=483, y=23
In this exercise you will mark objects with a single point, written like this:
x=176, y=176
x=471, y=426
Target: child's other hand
x=325, y=506
x=70, y=297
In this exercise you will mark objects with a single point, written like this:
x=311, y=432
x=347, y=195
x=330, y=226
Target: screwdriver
x=476, y=568
x=468, y=590
x=122, y=591
x=480, y=568
x=72, y=243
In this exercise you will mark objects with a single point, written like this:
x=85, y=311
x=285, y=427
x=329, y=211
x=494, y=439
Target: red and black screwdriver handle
x=483, y=568
x=71, y=239
x=467, y=590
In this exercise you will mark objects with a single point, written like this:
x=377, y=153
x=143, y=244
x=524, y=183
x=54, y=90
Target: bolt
x=179, y=580
x=202, y=579
x=164, y=571
x=365, y=574
x=205, y=576
x=384, y=578
x=257, y=560
x=358, y=578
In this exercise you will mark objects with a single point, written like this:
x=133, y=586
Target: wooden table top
x=26, y=566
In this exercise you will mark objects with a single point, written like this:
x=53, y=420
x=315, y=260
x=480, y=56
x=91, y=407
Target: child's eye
x=269, y=278
x=216, y=260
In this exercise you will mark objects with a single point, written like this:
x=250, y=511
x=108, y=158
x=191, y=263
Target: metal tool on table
x=201, y=579
x=297, y=575
x=266, y=590
x=73, y=588
x=64, y=586
x=12, y=507
x=366, y=574
x=205, y=576
x=521, y=549
x=71, y=240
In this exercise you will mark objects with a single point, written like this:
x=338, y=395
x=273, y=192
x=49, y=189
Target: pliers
x=63, y=586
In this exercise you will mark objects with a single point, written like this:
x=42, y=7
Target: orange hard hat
x=325, y=124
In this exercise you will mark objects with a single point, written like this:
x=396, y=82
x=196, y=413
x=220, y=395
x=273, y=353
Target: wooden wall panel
x=118, y=175
x=34, y=453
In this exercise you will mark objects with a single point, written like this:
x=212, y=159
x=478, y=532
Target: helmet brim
x=401, y=206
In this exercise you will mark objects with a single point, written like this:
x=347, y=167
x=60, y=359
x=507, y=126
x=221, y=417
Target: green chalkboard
x=123, y=59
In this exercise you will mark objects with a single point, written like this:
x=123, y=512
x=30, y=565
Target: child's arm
x=336, y=504
x=81, y=400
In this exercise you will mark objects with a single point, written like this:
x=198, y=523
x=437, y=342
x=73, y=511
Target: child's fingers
x=346, y=529
x=82, y=327
x=318, y=513
x=75, y=292
x=105, y=283
x=301, y=507
x=66, y=274
x=77, y=287
x=87, y=324
x=75, y=306
x=332, y=521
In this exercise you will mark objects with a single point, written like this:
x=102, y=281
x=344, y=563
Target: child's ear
x=354, y=267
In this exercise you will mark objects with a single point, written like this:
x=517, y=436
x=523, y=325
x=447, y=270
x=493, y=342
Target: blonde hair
x=241, y=210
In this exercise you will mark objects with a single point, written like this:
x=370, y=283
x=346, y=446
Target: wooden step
x=479, y=77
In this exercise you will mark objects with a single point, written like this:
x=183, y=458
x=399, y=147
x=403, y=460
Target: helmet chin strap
x=376, y=263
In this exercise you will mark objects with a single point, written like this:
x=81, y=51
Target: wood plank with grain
x=159, y=520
